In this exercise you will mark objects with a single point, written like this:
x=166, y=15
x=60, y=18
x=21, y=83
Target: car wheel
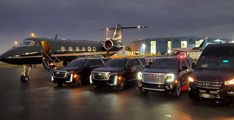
x=122, y=85
x=97, y=87
x=24, y=78
x=78, y=83
x=59, y=84
x=144, y=92
x=194, y=98
x=177, y=91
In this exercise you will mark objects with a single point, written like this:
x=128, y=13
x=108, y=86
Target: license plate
x=205, y=95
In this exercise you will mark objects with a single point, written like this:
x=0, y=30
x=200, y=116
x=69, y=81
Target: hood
x=212, y=75
x=77, y=69
x=156, y=70
x=109, y=69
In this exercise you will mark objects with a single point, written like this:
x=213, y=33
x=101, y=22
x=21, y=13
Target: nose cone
x=1, y=57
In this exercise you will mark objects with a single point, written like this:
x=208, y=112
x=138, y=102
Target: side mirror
x=87, y=66
x=184, y=67
x=193, y=65
x=130, y=68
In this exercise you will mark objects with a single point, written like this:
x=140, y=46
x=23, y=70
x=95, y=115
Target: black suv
x=77, y=71
x=117, y=72
x=165, y=74
x=213, y=75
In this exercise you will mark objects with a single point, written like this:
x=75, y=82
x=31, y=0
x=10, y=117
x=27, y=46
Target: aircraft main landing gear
x=24, y=77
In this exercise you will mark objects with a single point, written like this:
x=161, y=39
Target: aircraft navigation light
x=16, y=43
x=33, y=35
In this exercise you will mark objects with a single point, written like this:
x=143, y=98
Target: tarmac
x=42, y=100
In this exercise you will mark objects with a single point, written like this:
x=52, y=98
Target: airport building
x=166, y=45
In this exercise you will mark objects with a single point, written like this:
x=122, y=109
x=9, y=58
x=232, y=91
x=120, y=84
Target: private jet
x=48, y=51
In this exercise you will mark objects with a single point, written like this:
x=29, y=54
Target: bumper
x=157, y=87
x=61, y=80
x=200, y=93
x=98, y=82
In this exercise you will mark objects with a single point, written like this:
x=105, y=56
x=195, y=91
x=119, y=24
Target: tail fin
x=117, y=34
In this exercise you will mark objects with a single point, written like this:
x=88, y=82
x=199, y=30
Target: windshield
x=119, y=63
x=77, y=63
x=167, y=63
x=216, y=62
x=27, y=43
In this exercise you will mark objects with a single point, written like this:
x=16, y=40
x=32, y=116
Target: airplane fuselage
x=32, y=50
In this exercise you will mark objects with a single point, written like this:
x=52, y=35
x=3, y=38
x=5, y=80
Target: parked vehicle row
x=212, y=78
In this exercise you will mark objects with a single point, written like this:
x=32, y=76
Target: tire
x=194, y=98
x=144, y=92
x=177, y=91
x=97, y=87
x=24, y=79
x=59, y=84
x=121, y=86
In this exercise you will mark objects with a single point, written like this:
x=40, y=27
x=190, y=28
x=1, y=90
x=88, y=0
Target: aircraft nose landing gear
x=24, y=77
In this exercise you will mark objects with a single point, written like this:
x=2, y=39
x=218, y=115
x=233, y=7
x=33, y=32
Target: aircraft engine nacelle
x=108, y=44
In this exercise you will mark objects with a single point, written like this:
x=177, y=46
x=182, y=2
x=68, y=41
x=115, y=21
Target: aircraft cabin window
x=94, y=49
x=27, y=43
x=83, y=49
x=63, y=48
x=77, y=49
x=89, y=49
x=70, y=49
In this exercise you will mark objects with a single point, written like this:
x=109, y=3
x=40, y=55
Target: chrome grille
x=101, y=75
x=155, y=78
x=209, y=84
x=60, y=74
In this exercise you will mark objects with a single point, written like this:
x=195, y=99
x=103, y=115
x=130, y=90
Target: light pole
x=143, y=47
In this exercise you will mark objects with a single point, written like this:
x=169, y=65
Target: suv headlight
x=229, y=82
x=170, y=77
x=139, y=75
x=190, y=79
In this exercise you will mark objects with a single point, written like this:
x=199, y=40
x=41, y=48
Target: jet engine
x=108, y=44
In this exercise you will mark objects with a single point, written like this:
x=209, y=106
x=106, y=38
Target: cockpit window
x=27, y=43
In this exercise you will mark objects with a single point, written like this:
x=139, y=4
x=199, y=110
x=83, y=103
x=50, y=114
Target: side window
x=143, y=61
x=186, y=63
x=136, y=62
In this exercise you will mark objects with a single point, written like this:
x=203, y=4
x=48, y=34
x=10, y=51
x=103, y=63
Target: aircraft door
x=46, y=47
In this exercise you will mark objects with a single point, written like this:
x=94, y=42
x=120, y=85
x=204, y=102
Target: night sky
x=84, y=19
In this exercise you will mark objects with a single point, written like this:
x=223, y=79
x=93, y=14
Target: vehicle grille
x=60, y=74
x=155, y=78
x=101, y=75
x=209, y=84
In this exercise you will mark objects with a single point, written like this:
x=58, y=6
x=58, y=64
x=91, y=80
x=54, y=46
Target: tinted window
x=77, y=63
x=185, y=63
x=143, y=61
x=165, y=63
x=120, y=63
x=216, y=62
